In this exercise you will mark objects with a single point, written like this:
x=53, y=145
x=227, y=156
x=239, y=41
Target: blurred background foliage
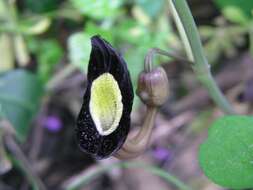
x=31, y=37
x=43, y=42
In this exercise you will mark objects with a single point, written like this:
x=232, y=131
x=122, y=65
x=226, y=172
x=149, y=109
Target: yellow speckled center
x=106, y=104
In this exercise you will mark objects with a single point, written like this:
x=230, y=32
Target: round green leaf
x=226, y=157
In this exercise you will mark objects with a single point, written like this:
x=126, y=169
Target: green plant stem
x=200, y=66
x=181, y=31
x=153, y=51
x=85, y=179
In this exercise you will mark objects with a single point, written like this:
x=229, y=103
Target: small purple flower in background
x=52, y=123
x=162, y=154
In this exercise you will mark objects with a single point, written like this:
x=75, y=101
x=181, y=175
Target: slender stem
x=181, y=31
x=84, y=179
x=150, y=56
x=5, y=163
x=200, y=66
x=24, y=163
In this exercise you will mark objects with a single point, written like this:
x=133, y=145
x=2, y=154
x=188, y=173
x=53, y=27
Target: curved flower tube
x=153, y=91
x=104, y=120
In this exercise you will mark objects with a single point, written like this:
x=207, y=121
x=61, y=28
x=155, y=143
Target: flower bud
x=153, y=87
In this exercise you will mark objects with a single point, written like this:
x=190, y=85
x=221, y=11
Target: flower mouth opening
x=105, y=105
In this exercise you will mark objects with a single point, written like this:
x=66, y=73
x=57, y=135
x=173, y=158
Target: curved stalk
x=200, y=67
x=135, y=146
x=150, y=56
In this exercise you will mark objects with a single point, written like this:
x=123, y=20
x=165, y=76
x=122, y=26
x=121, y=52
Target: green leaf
x=79, y=46
x=234, y=14
x=150, y=7
x=34, y=25
x=20, y=93
x=2, y=10
x=97, y=9
x=42, y=6
x=49, y=54
x=129, y=31
x=92, y=29
x=7, y=53
x=134, y=59
x=22, y=55
x=226, y=157
x=246, y=6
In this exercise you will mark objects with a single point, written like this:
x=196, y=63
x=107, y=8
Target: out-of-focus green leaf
x=1, y=112
x=150, y=7
x=98, y=9
x=201, y=121
x=7, y=54
x=134, y=59
x=92, y=29
x=234, y=14
x=42, y=5
x=79, y=46
x=206, y=31
x=222, y=41
x=35, y=25
x=226, y=155
x=129, y=31
x=213, y=50
x=49, y=55
x=246, y=6
x=20, y=93
x=2, y=9
x=140, y=16
x=21, y=53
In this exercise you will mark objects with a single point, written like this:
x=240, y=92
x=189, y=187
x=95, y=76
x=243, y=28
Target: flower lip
x=104, y=59
x=105, y=104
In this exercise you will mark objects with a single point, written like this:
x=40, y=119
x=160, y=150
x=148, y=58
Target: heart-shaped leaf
x=226, y=157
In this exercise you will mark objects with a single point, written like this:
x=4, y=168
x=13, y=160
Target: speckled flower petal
x=104, y=59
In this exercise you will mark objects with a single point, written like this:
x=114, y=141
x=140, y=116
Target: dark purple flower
x=104, y=119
